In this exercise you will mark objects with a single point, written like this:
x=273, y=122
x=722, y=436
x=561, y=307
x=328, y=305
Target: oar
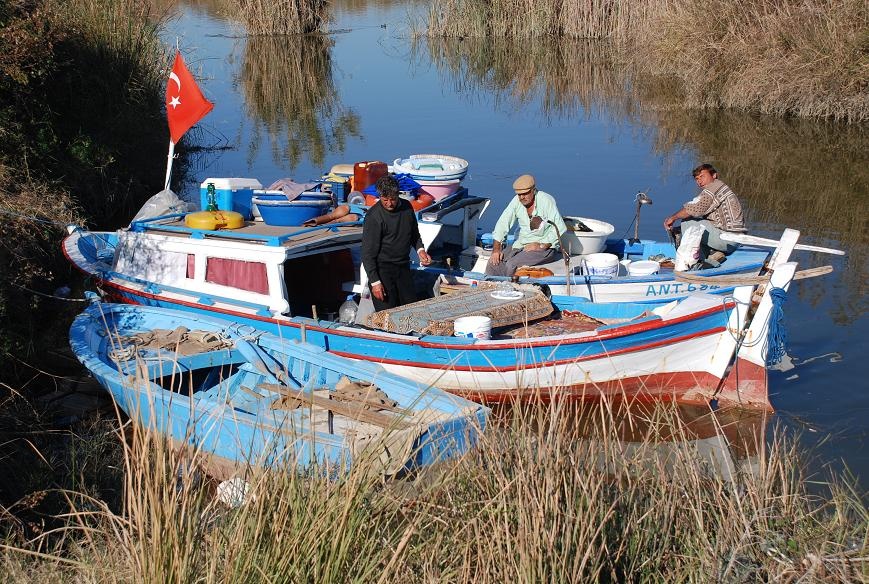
x=763, y=241
x=747, y=279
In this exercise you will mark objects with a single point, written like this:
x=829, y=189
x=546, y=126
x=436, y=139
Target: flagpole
x=169, y=164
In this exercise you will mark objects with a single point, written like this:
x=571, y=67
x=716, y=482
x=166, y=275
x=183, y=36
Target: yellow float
x=213, y=220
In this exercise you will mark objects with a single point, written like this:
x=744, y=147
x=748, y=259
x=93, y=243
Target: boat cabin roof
x=255, y=232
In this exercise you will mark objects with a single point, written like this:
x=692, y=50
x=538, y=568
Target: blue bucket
x=284, y=212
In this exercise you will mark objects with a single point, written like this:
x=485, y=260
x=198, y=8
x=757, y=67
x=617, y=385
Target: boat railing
x=202, y=297
x=156, y=224
x=438, y=212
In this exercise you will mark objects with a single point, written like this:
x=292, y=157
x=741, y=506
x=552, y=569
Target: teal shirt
x=545, y=208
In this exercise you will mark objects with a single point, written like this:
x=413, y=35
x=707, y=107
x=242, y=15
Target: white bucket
x=644, y=268
x=473, y=327
x=600, y=264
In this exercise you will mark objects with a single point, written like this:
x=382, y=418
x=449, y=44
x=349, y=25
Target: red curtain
x=249, y=276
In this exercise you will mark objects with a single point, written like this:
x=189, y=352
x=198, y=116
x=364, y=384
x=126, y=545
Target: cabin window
x=191, y=266
x=250, y=276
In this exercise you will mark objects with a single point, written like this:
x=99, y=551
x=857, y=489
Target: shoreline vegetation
x=643, y=497
x=807, y=58
x=647, y=496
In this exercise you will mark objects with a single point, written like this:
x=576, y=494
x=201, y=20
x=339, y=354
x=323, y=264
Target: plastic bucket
x=644, y=268
x=600, y=264
x=473, y=327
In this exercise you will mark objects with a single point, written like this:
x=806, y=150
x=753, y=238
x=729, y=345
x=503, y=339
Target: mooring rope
x=777, y=335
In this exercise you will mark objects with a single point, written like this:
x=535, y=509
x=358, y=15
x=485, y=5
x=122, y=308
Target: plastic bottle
x=356, y=198
x=211, y=198
x=347, y=311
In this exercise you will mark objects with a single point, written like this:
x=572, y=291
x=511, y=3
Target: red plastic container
x=367, y=173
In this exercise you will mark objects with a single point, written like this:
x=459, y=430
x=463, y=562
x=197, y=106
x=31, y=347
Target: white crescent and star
x=175, y=101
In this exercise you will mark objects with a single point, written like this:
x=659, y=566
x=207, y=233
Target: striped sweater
x=720, y=205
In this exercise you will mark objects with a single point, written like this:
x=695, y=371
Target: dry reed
x=265, y=17
x=646, y=496
x=792, y=57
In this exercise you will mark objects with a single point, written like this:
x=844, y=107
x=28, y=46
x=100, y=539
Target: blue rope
x=777, y=336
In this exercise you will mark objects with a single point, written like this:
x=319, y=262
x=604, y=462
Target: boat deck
x=257, y=232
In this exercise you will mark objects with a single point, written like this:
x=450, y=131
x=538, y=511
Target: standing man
x=389, y=233
x=540, y=225
x=714, y=211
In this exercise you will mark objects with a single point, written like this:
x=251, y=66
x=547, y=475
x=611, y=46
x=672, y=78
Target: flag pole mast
x=169, y=164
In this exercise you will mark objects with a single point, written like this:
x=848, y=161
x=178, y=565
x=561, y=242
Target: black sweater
x=388, y=237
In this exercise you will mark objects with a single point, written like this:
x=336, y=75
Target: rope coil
x=777, y=334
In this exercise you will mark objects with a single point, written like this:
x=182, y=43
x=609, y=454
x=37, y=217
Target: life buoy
x=212, y=220
x=422, y=201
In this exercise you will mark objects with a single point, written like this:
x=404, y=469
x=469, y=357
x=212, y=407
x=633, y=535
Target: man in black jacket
x=389, y=233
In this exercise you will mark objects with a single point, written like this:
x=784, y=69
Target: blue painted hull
x=211, y=401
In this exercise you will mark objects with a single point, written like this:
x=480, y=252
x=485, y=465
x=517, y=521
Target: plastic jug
x=348, y=309
x=367, y=173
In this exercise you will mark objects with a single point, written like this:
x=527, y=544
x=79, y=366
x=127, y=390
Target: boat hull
x=230, y=426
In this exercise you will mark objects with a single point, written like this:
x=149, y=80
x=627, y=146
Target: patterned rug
x=506, y=304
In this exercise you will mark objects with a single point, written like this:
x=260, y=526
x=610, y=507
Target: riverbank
x=647, y=497
x=84, y=139
x=806, y=59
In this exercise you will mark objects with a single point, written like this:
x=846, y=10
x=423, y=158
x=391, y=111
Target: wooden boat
x=571, y=279
x=699, y=348
x=242, y=399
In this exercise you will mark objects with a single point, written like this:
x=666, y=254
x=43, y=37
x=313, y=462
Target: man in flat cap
x=540, y=223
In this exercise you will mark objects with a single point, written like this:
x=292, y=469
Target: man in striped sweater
x=715, y=210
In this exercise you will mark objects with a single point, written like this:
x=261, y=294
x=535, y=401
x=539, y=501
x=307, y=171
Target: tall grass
x=83, y=137
x=647, y=497
x=806, y=58
x=268, y=17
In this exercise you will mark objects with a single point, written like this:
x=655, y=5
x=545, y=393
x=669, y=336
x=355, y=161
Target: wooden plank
x=349, y=410
x=747, y=279
x=762, y=241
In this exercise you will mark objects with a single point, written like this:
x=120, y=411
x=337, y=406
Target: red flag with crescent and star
x=185, y=104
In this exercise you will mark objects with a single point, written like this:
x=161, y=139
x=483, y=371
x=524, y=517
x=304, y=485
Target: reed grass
x=265, y=17
x=643, y=497
x=794, y=57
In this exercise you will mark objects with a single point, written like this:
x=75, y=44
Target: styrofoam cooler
x=231, y=194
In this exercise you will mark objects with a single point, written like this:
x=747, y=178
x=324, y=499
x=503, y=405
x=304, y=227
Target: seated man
x=716, y=209
x=540, y=225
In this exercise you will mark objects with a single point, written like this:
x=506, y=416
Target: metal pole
x=169, y=164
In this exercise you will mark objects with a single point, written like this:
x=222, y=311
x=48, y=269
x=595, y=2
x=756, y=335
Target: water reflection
x=570, y=77
x=290, y=95
x=805, y=174
x=664, y=438
x=800, y=173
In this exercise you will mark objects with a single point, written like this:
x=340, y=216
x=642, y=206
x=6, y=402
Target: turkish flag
x=185, y=104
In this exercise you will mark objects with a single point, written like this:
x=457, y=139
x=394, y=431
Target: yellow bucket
x=212, y=220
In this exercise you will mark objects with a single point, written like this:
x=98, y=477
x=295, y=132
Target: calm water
x=294, y=107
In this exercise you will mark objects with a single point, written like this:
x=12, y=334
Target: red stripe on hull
x=684, y=387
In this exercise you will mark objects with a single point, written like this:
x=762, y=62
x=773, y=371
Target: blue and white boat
x=240, y=397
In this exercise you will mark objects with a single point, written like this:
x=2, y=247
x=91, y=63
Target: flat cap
x=523, y=183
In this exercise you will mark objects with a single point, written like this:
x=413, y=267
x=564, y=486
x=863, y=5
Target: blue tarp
x=405, y=183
